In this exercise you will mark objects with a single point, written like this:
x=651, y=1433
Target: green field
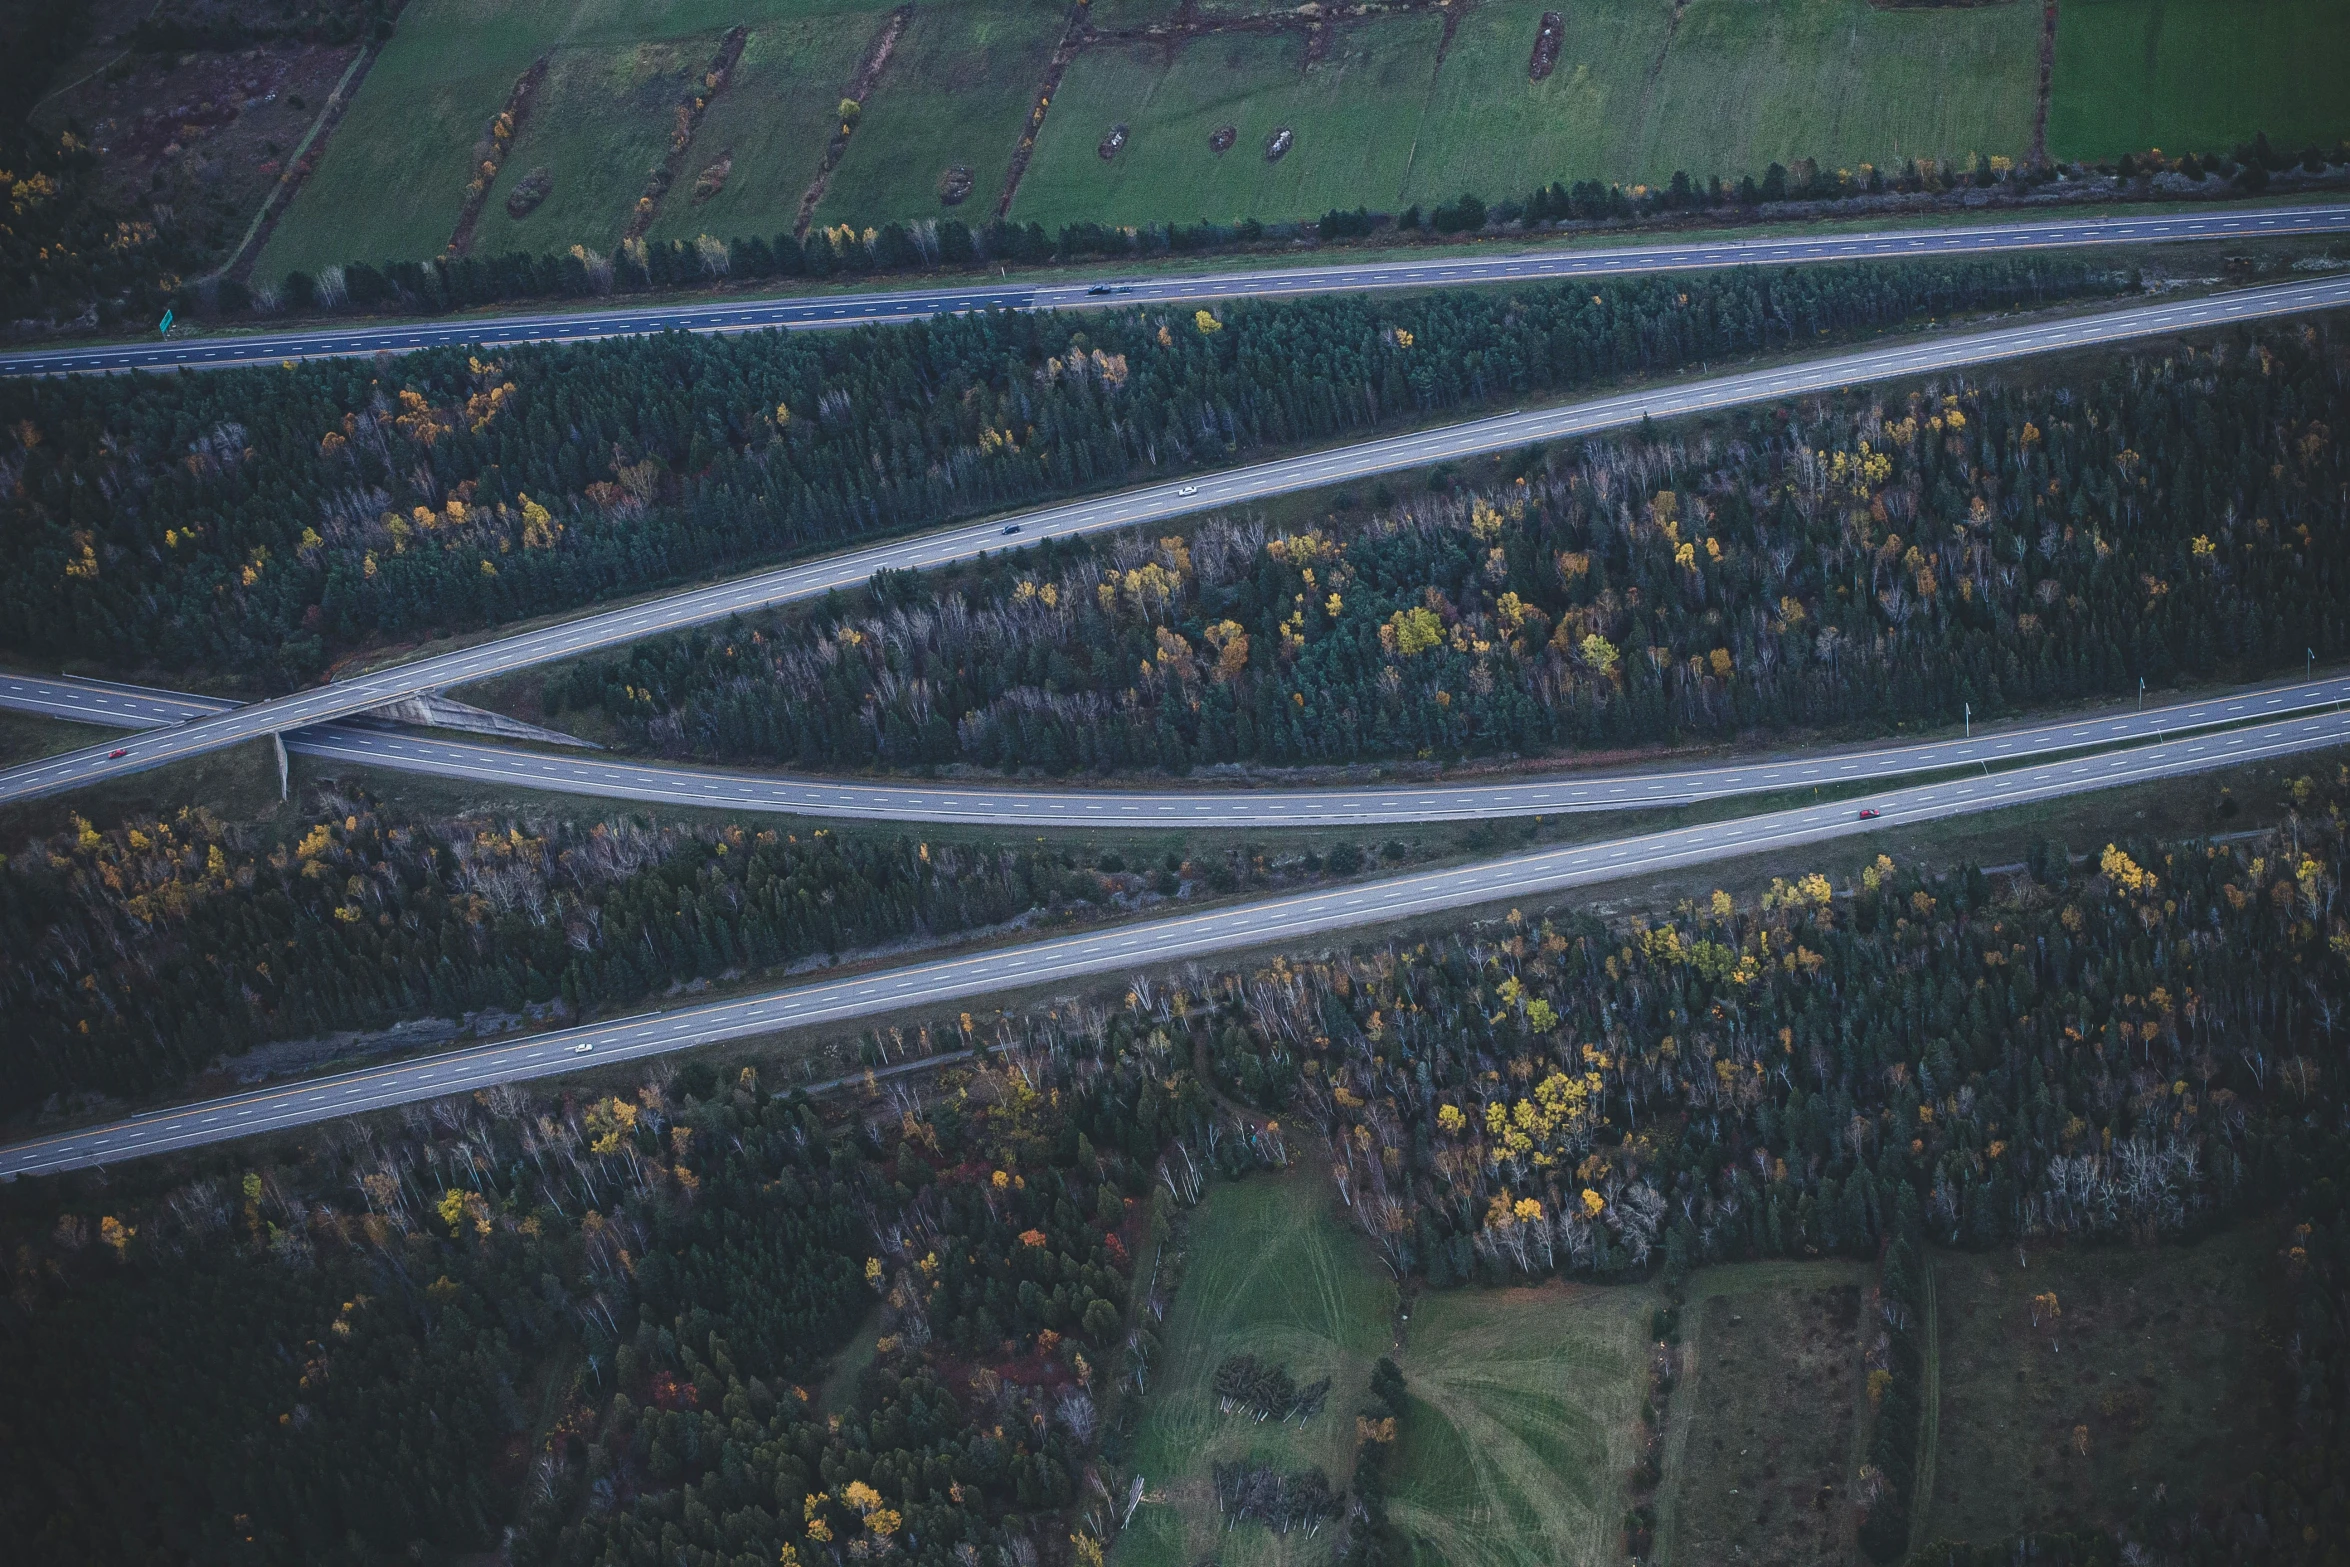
x=600, y=127
x=1839, y=81
x=957, y=89
x=775, y=118
x=1523, y=1414
x=1387, y=117
x=1342, y=112
x=1733, y=88
x=1273, y=1270
x=2158, y=1359
x=2198, y=75
x=1771, y=1409
x=392, y=179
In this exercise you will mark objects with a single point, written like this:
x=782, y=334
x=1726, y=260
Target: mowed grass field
x=957, y=90
x=2158, y=1361
x=1273, y=1271
x=1771, y=1409
x=2198, y=75
x=1521, y=1424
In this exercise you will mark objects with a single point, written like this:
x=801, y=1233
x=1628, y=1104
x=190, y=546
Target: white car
x=581, y=1050
x=1189, y=489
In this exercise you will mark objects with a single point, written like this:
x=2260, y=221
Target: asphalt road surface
x=1286, y=920
x=411, y=751
x=1152, y=504
x=1443, y=269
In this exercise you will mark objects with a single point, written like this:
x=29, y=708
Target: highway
x=412, y=751
x=1447, y=267
x=1144, y=943
x=1158, y=503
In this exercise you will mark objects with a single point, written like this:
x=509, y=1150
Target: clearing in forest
x=1272, y=1270
x=1522, y=1423
x=2152, y=1370
x=1766, y=1428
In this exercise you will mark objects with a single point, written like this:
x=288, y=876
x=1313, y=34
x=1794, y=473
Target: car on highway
x=581, y=1050
x=1869, y=813
x=1011, y=528
x=1189, y=489
x=118, y=753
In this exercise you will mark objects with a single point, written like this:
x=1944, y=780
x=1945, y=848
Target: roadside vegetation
x=271, y=521
x=1849, y=565
x=1649, y=1192
x=169, y=946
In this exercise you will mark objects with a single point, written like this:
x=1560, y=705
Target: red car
x=118, y=753
x=1869, y=813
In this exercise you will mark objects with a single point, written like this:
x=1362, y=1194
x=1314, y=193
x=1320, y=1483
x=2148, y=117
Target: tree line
x=265, y=521
x=1852, y=565
x=951, y=245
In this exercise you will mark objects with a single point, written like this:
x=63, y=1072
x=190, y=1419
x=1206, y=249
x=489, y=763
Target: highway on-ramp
x=1450, y=267
x=1158, y=503
x=399, y=749
x=1126, y=947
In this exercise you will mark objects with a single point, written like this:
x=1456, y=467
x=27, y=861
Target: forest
x=152, y=951
x=1847, y=565
x=2127, y=1046
x=589, y=1331
x=261, y=523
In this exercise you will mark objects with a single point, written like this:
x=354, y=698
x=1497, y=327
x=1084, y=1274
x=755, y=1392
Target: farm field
x=1839, y=81
x=2155, y=1374
x=599, y=127
x=774, y=120
x=1522, y=1419
x=1273, y=1271
x=1343, y=112
x=392, y=179
x=1765, y=1431
x=2198, y=75
x=956, y=90
x=393, y=175
x=1733, y=88
x=1389, y=113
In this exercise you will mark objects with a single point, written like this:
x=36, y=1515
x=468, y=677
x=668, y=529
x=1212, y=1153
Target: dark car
x=1011, y=527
